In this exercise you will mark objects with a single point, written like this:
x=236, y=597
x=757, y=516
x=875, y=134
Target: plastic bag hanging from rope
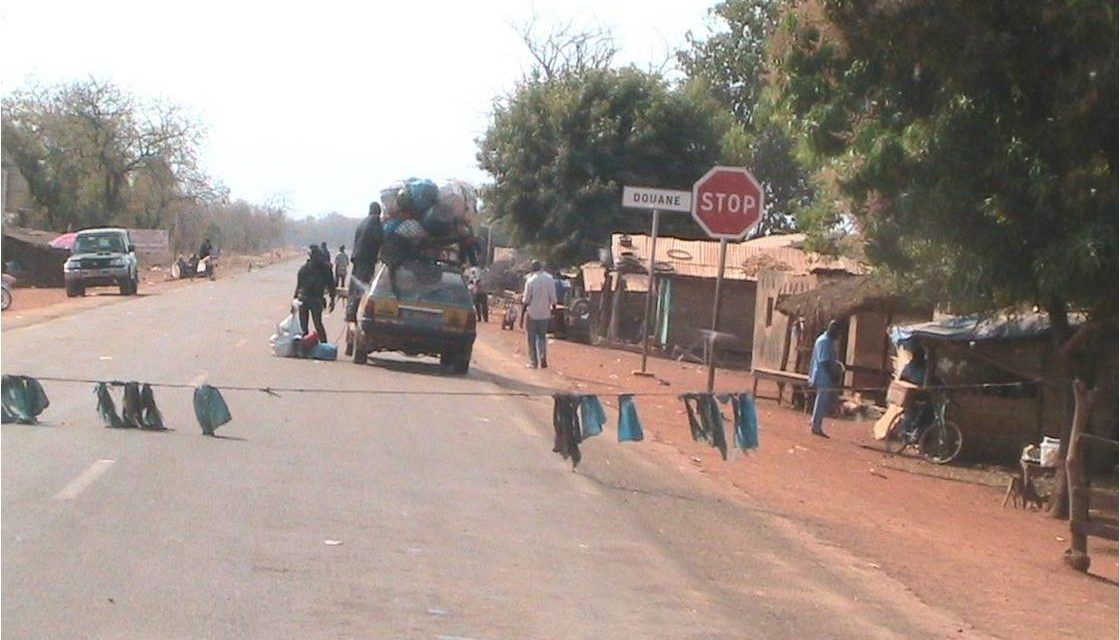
x=130, y=406
x=106, y=408
x=210, y=409
x=629, y=426
x=23, y=399
x=705, y=420
x=591, y=415
x=565, y=423
x=746, y=422
x=713, y=417
x=150, y=416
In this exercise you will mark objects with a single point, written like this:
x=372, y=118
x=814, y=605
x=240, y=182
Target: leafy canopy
x=732, y=63
x=975, y=143
x=561, y=148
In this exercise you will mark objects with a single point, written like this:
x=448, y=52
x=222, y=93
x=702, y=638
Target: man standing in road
x=367, y=248
x=538, y=299
x=825, y=375
x=314, y=278
x=341, y=264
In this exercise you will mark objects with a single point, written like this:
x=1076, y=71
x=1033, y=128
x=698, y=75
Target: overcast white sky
x=327, y=102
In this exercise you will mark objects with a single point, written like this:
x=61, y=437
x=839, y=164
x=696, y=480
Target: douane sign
x=664, y=199
x=727, y=202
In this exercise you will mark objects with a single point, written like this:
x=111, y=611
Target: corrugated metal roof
x=700, y=258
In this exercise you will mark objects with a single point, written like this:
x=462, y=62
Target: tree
x=975, y=145
x=732, y=63
x=95, y=154
x=560, y=150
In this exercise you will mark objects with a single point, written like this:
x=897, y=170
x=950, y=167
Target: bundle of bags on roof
x=422, y=219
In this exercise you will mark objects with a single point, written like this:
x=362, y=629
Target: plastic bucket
x=1048, y=456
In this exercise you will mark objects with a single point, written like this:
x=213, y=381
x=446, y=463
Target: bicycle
x=937, y=439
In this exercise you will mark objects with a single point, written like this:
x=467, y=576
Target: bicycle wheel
x=895, y=440
x=941, y=443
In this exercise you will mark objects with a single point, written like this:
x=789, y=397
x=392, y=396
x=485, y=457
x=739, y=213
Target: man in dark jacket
x=367, y=248
x=314, y=278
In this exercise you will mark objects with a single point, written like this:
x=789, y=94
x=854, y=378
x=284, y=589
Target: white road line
x=79, y=484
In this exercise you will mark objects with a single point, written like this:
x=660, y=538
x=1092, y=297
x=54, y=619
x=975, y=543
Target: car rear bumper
x=411, y=339
x=109, y=276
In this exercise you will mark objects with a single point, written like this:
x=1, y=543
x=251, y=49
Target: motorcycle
x=193, y=267
x=6, y=283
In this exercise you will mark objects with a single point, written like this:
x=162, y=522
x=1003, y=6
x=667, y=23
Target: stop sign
x=727, y=202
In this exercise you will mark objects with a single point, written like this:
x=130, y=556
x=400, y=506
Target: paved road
x=455, y=519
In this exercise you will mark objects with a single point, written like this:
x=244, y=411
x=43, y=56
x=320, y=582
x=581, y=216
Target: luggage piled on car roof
x=425, y=220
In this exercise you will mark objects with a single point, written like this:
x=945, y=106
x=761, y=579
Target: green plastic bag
x=210, y=409
x=23, y=399
x=106, y=408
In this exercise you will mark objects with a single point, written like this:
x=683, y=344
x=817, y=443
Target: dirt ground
x=940, y=530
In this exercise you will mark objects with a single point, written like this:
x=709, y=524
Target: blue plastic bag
x=746, y=422
x=23, y=399
x=324, y=351
x=591, y=415
x=629, y=426
x=210, y=409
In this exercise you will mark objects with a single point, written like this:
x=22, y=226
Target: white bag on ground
x=288, y=332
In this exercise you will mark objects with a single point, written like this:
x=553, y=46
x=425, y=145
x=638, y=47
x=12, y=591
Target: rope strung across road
x=275, y=391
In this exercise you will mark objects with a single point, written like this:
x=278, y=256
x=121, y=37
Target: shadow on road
x=234, y=438
x=430, y=368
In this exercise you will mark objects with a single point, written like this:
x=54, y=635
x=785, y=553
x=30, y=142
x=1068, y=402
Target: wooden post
x=650, y=292
x=616, y=301
x=1077, y=556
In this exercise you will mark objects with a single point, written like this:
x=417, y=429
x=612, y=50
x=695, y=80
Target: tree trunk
x=1063, y=359
x=616, y=301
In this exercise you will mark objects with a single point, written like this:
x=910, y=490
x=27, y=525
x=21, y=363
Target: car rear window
x=99, y=242
x=423, y=282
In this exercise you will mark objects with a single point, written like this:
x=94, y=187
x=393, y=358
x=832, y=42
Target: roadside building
x=30, y=250
x=684, y=284
x=794, y=309
x=1016, y=352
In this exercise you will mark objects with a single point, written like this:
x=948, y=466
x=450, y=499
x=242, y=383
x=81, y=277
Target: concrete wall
x=691, y=311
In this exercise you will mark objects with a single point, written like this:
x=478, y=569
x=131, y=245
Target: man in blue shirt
x=825, y=375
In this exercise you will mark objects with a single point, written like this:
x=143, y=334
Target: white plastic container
x=1049, y=451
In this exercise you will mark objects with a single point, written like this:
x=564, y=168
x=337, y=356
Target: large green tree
x=973, y=143
x=731, y=61
x=93, y=153
x=561, y=146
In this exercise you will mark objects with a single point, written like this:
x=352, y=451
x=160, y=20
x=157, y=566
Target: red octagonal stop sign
x=727, y=202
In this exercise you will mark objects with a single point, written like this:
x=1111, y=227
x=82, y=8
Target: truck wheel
x=74, y=290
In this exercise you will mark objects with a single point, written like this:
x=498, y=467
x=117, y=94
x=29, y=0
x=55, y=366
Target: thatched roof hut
x=842, y=297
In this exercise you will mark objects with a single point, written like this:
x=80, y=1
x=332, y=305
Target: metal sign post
x=727, y=204
x=715, y=315
x=657, y=200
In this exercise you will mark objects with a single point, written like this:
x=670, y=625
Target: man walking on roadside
x=341, y=264
x=825, y=375
x=538, y=299
x=313, y=280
